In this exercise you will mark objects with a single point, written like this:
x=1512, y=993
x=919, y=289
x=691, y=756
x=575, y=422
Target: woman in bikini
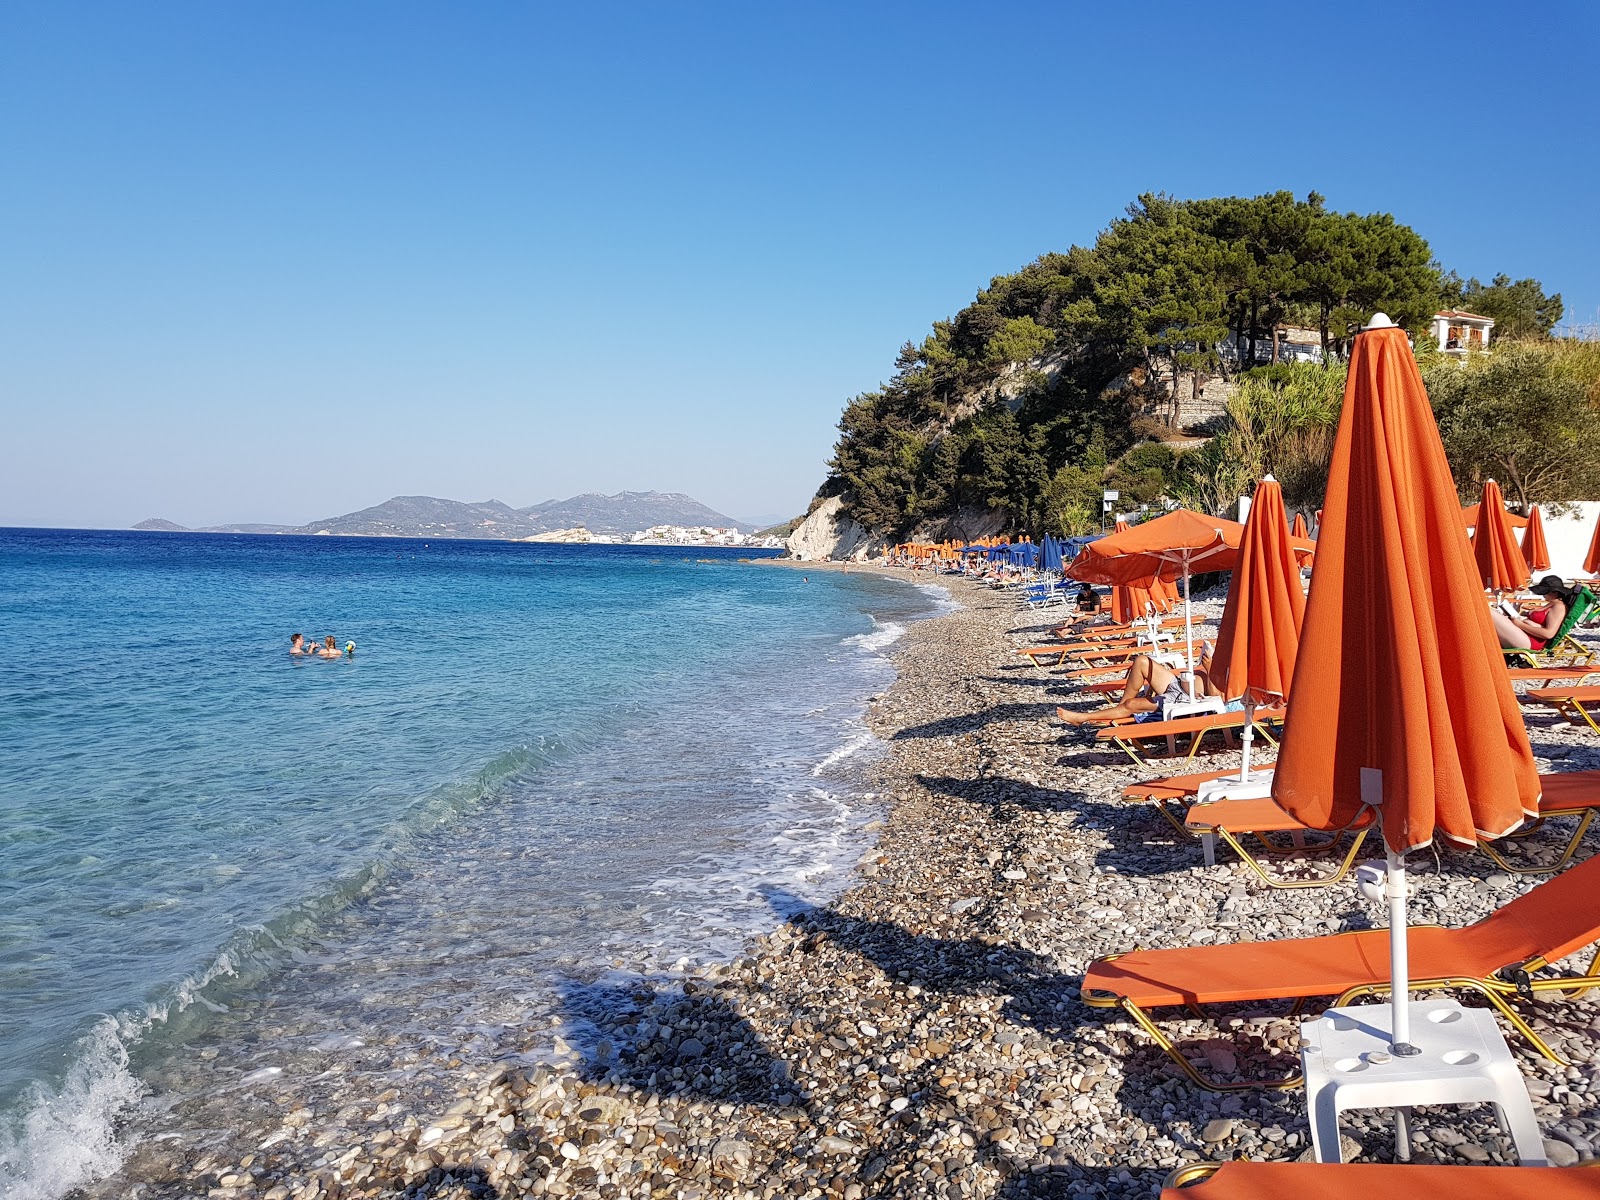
x=1533, y=631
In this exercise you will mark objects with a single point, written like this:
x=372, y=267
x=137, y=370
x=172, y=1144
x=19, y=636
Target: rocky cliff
x=827, y=533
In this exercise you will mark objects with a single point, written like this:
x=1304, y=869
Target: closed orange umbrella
x=1259, y=637
x=1399, y=699
x=1300, y=530
x=1129, y=601
x=1534, y=552
x=1591, y=562
x=1500, y=563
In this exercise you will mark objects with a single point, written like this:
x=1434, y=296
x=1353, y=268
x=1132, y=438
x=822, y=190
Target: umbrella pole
x=1399, y=967
x=1246, y=736
x=1188, y=630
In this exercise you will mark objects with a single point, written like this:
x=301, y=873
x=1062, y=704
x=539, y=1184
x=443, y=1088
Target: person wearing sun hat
x=1532, y=631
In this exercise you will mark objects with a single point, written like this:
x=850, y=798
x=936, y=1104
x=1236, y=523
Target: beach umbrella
x=1494, y=546
x=1469, y=517
x=1050, y=554
x=1400, y=700
x=1175, y=546
x=1300, y=530
x=1131, y=601
x=1534, y=552
x=1259, y=636
x=1591, y=561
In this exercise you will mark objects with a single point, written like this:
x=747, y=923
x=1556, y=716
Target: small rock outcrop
x=827, y=532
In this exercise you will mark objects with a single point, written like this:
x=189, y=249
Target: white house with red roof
x=1461, y=332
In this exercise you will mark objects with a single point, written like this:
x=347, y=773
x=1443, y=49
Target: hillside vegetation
x=1055, y=381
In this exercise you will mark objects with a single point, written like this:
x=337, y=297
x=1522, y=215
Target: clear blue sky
x=279, y=261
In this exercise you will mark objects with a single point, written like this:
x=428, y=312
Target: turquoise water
x=644, y=746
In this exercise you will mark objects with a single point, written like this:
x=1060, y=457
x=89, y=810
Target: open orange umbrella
x=1534, y=552
x=1399, y=700
x=1170, y=547
x=1299, y=529
x=1500, y=562
x=1259, y=637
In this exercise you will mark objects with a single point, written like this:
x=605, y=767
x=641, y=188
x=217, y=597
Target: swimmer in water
x=297, y=644
x=330, y=648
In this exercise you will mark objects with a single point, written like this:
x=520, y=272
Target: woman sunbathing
x=1148, y=685
x=1539, y=626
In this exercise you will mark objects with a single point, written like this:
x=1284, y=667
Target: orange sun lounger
x=1577, y=674
x=1568, y=701
x=1563, y=794
x=1239, y=1180
x=1127, y=737
x=1041, y=656
x=1232, y=820
x=1496, y=957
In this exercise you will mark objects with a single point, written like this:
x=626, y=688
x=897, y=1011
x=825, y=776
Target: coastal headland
x=922, y=1035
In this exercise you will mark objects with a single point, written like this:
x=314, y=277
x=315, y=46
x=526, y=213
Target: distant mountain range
x=429, y=516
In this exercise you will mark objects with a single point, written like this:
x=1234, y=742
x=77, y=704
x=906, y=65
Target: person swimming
x=297, y=645
x=330, y=648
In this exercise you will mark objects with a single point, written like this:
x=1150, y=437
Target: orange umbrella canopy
x=1534, y=552
x=1494, y=547
x=1166, y=548
x=1260, y=631
x=1591, y=562
x=1399, y=666
x=1299, y=529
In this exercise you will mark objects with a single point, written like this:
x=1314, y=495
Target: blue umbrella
x=1050, y=554
x=1025, y=554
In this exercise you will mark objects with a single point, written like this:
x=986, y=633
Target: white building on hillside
x=1460, y=332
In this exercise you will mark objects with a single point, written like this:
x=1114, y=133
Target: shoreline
x=921, y=1034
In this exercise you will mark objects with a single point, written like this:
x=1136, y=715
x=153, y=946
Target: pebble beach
x=922, y=1034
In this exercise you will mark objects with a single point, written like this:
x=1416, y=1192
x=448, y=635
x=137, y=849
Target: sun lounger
x=1563, y=648
x=1173, y=794
x=1127, y=737
x=1243, y=1180
x=1041, y=655
x=1563, y=794
x=1575, y=673
x=1233, y=820
x=1570, y=702
x=1496, y=957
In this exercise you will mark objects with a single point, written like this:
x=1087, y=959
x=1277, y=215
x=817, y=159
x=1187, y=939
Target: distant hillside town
x=665, y=535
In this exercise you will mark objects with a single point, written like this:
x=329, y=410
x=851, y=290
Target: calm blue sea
x=569, y=759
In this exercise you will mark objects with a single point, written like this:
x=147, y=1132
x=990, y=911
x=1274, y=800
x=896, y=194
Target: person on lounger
x=1148, y=685
x=1539, y=626
x=1087, y=604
